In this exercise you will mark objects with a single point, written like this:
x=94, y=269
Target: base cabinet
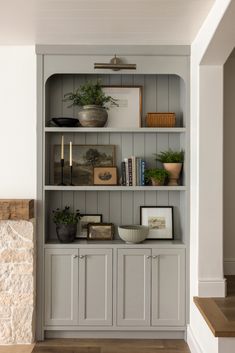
x=143, y=287
x=151, y=287
x=78, y=287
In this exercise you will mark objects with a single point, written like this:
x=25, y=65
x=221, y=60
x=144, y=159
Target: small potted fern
x=172, y=162
x=93, y=103
x=156, y=176
x=66, y=224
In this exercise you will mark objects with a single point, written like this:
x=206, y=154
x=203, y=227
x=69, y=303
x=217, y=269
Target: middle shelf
x=113, y=188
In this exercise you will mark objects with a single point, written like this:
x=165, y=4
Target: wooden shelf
x=113, y=188
x=112, y=129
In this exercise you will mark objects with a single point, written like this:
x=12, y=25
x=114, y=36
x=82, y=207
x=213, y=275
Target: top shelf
x=112, y=129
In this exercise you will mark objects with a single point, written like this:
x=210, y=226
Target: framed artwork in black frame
x=160, y=221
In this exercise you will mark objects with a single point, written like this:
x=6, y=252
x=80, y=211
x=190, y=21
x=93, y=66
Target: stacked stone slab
x=17, y=281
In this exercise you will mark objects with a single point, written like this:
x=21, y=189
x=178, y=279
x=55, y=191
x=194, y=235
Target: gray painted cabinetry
x=150, y=287
x=112, y=289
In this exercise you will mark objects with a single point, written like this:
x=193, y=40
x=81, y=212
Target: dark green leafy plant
x=90, y=94
x=157, y=174
x=65, y=216
x=170, y=156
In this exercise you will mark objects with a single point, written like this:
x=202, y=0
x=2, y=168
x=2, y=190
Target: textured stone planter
x=92, y=116
x=174, y=169
x=66, y=232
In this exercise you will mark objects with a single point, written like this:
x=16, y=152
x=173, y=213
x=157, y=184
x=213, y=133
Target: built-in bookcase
x=118, y=204
x=163, y=73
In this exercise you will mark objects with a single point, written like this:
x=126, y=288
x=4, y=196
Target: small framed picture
x=83, y=223
x=159, y=219
x=105, y=175
x=100, y=231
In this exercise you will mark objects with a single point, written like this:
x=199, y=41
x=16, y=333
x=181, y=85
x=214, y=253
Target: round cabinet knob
x=75, y=256
x=149, y=257
x=155, y=256
x=81, y=256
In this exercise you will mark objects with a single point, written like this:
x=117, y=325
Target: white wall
x=17, y=122
x=229, y=166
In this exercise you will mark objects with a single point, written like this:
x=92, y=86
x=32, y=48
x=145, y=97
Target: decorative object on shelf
x=66, y=224
x=132, y=171
x=65, y=122
x=160, y=120
x=105, y=175
x=85, y=219
x=128, y=111
x=172, y=161
x=100, y=231
x=156, y=176
x=115, y=64
x=93, y=102
x=133, y=233
x=71, y=162
x=159, y=219
x=84, y=159
x=62, y=163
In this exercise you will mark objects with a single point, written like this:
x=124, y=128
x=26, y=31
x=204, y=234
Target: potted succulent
x=66, y=224
x=156, y=176
x=172, y=161
x=93, y=102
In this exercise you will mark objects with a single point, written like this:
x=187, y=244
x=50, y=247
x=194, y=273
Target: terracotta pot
x=92, y=116
x=174, y=169
x=156, y=182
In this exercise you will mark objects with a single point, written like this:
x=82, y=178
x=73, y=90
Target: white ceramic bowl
x=133, y=233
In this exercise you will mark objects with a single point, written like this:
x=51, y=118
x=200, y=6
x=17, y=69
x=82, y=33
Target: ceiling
x=101, y=21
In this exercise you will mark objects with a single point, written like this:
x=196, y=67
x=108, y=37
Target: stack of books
x=132, y=171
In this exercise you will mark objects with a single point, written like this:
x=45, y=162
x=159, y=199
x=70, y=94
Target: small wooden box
x=16, y=209
x=160, y=120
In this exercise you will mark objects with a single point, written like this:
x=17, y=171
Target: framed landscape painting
x=85, y=158
x=159, y=219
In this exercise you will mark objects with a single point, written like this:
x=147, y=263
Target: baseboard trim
x=229, y=266
x=192, y=342
x=117, y=334
x=212, y=288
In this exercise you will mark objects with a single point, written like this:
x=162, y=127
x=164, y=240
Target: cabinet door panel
x=61, y=286
x=95, y=287
x=134, y=267
x=168, y=287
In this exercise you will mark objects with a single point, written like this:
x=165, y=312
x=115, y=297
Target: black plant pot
x=66, y=232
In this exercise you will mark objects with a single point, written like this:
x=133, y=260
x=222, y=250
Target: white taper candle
x=70, y=154
x=62, y=147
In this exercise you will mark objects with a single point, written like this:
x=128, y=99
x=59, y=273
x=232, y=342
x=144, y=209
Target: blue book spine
x=142, y=172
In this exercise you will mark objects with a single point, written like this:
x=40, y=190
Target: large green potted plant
x=93, y=103
x=156, y=176
x=172, y=162
x=66, y=224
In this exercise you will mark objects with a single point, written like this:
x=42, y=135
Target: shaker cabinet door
x=61, y=286
x=95, y=287
x=133, y=299
x=168, y=287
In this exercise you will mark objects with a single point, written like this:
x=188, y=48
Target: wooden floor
x=219, y=313
x=101, y=346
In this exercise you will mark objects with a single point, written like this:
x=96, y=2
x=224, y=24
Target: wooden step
x=217, y=312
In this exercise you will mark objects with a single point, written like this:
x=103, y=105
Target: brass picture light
x=115, y=64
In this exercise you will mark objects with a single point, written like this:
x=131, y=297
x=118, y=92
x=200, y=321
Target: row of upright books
x=132, y=171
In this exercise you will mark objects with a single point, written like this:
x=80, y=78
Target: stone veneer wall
x=17, y=281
